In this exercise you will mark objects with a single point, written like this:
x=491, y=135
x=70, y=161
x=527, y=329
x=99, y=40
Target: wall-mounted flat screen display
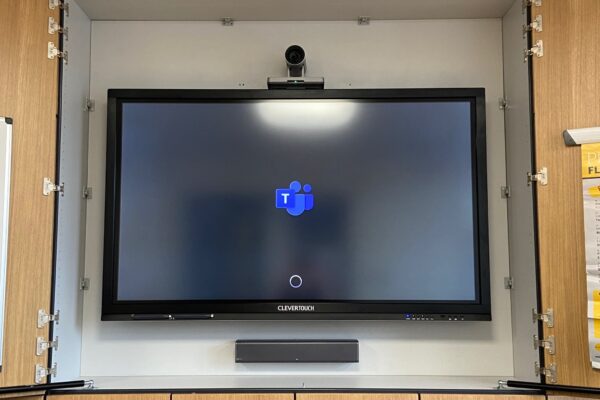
x=258, y=204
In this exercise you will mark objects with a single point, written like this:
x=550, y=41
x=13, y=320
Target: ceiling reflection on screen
x=307, y=116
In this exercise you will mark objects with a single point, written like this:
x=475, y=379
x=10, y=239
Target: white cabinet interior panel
x=291, y=10
x=520, y=203
x=70, y=228
x=384, y=54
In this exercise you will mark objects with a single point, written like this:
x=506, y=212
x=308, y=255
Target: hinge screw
x=364, y=20
x=54, y=52
x=84, y=284
x=89, y=105
x=42, y=372
x=43, y=345
x=549, y=371
x=44, y=318
x=547, y=317
x=536, y=25
x=547, y=344
x=54, y=27
x=49, y=187
x=531, y=3
x=52, y=4
x=502, y=103
x=537, y=50
x=541, y=176
x=87, y=193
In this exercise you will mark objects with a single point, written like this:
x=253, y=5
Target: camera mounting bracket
x=296, y=83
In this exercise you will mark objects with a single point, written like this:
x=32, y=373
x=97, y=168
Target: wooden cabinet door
x=566, y=86
x=234, y=396
x=29, y=95
x=24, y=396
x=357, y=396
x=481, y=397
x=552, y=397
x=111, y=396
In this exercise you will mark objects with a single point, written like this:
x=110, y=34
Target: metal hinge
x=541, y=176
x=547, y=344
x=54, y=52
x=537, y=50
x=89, y=105
x=84, y=284
x=227, y=21
x=508, y=282
x=49, y=187
x=87, y=193
x=547, y=317
x=43, y=345
x=42, y=372
x=549, y=372
x=505, y=192
x=52, y=4
x=44, y=318
x=54, y=27
x=362, y=20
x=502, y=103
x=531, y=3
x=535, y=25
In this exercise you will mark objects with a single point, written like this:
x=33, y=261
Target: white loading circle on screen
x=295, y=281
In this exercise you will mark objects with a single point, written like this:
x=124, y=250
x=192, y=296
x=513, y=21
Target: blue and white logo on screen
x=293, y=201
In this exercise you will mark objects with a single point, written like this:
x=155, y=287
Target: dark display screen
x=296, y=200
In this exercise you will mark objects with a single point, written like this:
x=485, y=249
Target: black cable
x=545, y=386
x=43, y=387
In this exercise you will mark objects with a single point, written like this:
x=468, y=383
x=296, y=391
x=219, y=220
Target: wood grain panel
x=578, y=397
x=233, y=396
x=28, y=94
x=566, y=95
x=37, y=395
x=481, y=397
x=111, y=396
x=357, y=396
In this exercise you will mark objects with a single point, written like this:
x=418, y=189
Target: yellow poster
x=590, y=172
x=590, y=160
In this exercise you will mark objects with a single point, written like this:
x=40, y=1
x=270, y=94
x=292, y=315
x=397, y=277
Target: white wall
x=440, y=53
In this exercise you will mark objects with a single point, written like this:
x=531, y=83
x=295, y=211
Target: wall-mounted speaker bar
x=296, y=351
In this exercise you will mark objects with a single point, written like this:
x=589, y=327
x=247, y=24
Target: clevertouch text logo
x=295, y=308
x=293, y=201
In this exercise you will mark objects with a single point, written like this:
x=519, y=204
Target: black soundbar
x=296, y=351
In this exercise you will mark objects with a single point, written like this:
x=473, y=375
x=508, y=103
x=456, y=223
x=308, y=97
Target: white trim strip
x=574, y=137
x=5, y=163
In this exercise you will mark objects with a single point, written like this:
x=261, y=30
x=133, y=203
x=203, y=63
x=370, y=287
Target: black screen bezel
x=113, y=309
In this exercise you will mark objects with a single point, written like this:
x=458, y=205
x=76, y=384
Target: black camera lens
x=294, y=55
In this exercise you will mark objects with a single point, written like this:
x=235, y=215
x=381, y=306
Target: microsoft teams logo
x=293, y=201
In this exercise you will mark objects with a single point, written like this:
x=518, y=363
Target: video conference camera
x=295, y=58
